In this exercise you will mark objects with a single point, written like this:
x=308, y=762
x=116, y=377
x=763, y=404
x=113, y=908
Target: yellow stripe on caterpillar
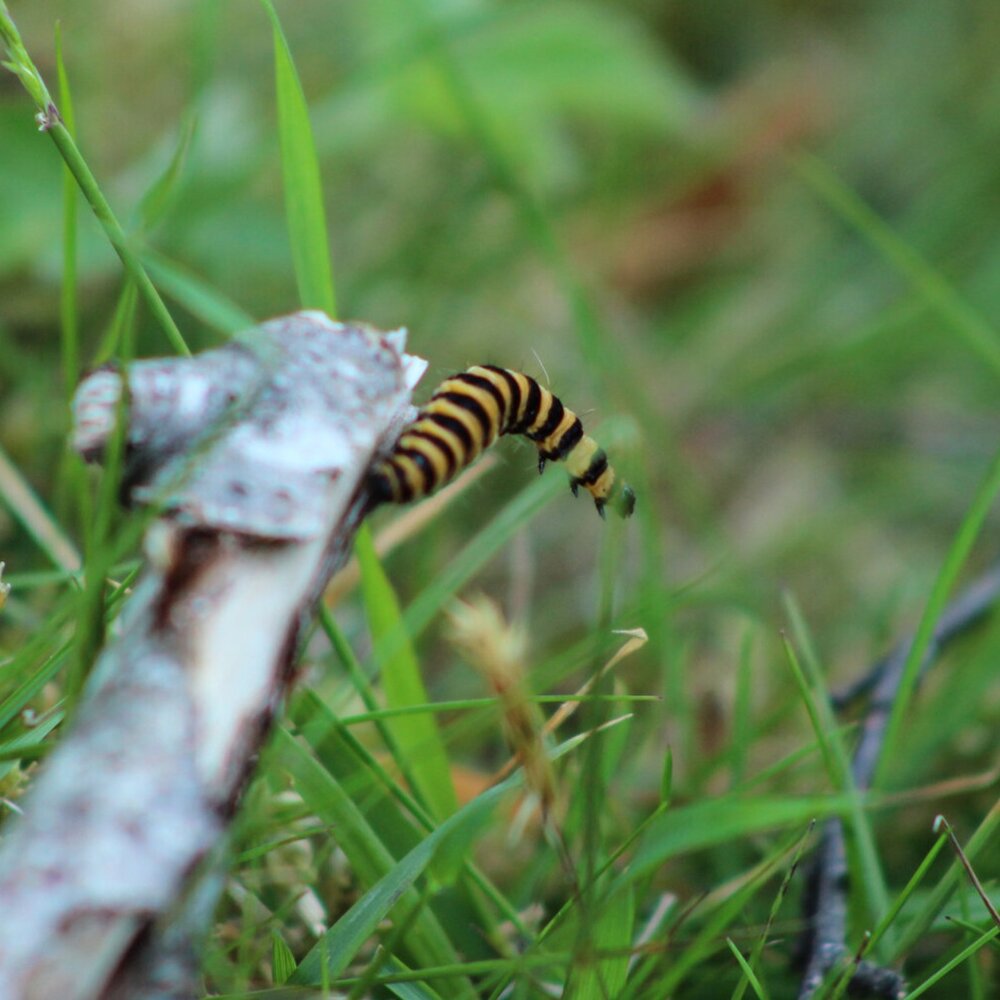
x=467, y=413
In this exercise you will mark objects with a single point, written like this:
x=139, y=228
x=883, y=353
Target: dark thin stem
x=825, y=905
x=964, y=612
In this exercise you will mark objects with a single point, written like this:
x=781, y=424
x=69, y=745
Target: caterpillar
x=467, y=413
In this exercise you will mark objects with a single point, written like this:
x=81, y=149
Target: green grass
x=759, y=254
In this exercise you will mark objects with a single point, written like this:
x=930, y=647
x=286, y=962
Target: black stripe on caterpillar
x=467, y=413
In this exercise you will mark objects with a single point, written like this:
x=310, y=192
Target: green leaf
x=69, y=320
x=954, y=963
x=31, y=79
x=749, y=976
x=611, y=933
x=371, y=788
x=158, y=199
x=417, y=736
x=749, y=966
x=538, y=65
x=983, y=837
x=836, y=758
x=667, y=778
x=958, y=553
x=411, y=991
x=32, y=680
x=282, y=959
x=34, y=735
x=937, y=292
x=512, y=518
x=17, y=495
x=339, y=945
x=197, y=296
x=303, y=186
x=716, y=821
x=702, y=945
x=342, y=942
x=372, y=862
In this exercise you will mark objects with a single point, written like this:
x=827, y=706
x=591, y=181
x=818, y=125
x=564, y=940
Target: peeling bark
x=256, y=457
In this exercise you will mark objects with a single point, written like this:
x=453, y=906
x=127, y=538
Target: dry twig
x=256, y=456
x=825, y=905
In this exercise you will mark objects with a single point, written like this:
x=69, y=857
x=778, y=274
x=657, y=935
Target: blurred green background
x=756, y=241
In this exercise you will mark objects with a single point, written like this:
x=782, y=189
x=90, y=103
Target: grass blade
x=965, y=953
x=160, y=196
x=706, y=824
x=303, y=187
x=612, y=935
x=749, y=976
x=417, y=736
x=941, y=893
x=196, y=296
x=374, y=864
x=929, y=283
x=282, y=959
x=828, y=732
x=960, y=549
x=68, y=315
x=36, y=520
x=51, y=122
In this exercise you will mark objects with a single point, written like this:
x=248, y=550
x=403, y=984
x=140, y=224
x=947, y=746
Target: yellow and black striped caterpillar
x=468, y=413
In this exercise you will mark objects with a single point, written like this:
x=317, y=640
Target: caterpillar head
x=623, y=501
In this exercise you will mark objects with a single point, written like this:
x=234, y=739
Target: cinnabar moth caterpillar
x=468, y=413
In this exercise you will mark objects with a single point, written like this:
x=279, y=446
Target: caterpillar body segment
x=467, y=413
